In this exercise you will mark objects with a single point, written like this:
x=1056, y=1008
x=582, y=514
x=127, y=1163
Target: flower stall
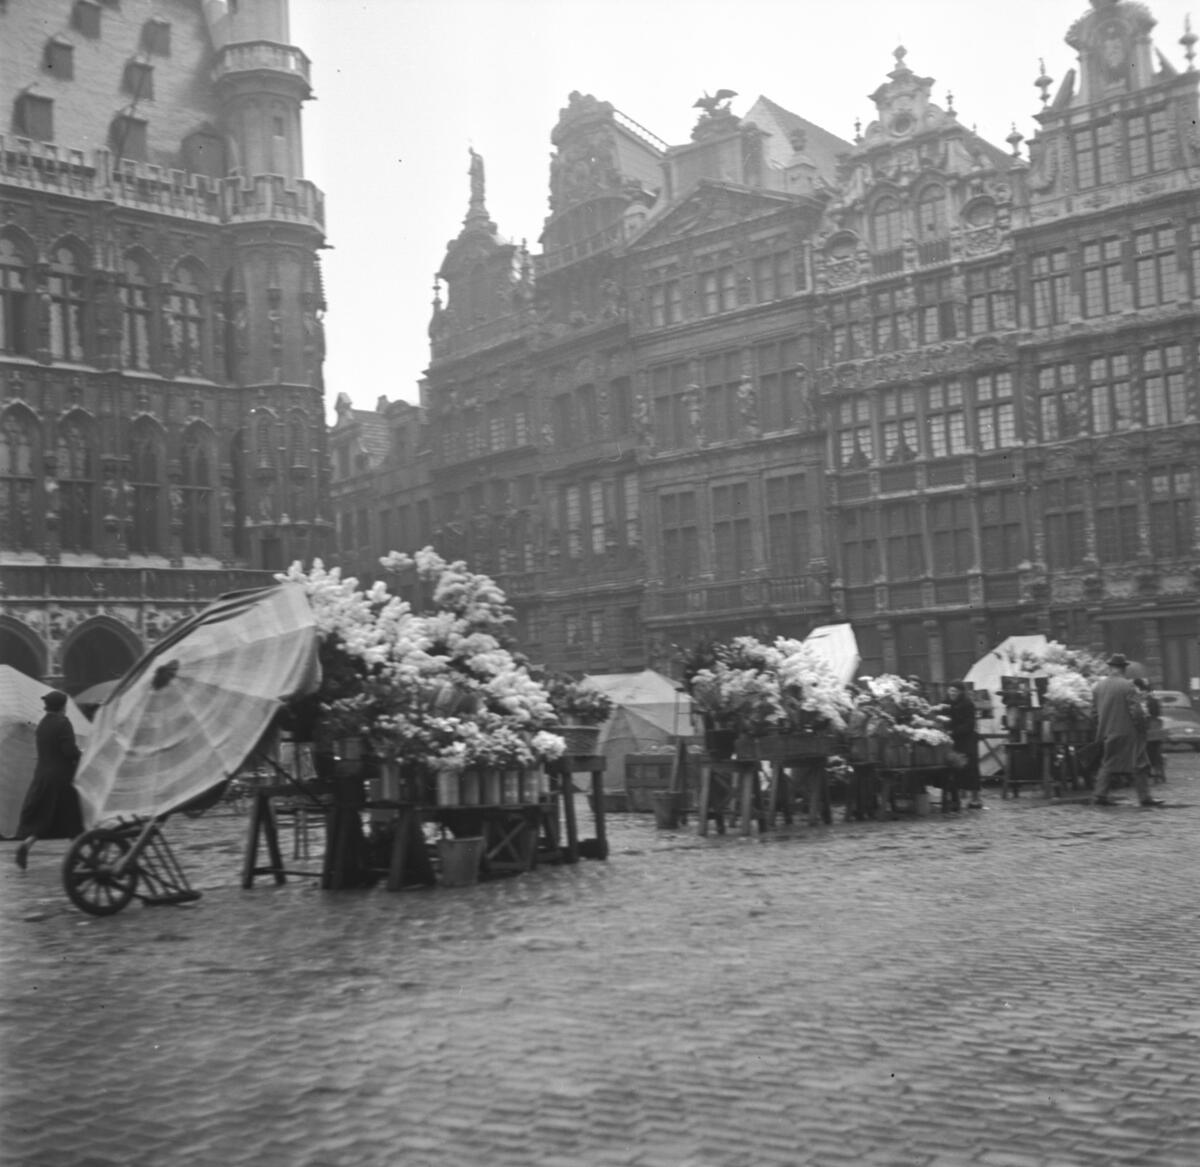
x=436, y=733
x=1048, y=715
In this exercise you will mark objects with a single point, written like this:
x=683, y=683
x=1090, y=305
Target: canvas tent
x=839, y=646
x=650, y=712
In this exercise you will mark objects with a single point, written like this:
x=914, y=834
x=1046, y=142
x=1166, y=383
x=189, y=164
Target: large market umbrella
x=188, y=714
x=839, y=646
x=20, y=710
x=96, y=694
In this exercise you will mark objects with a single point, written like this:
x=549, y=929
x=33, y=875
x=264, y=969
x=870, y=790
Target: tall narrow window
x=670, y=393
x=1058, y=403
x=936, y=316
x=34, y=117
x=718, y=290
x=76, y=484
x=1149, y=140
x=136, y=310
x=1050, y=287
x=995, y=412
x=1066, y=543
x=932, y=220
x=1166, y=397
x=596, y=517
x=197, y=490
x=68, y=303
x=630, y=510
x=573, y=520
x=989, y=300
x=145, y=477
x=898, y=430
x=774, y=276
x=1171, y=512
x=520, y=419
x=1116, y=517
x=950, y=524
x=722, y=374
x=18, y=431
x=15, y=323
x=1110, y=394
x=187, y=309
x=1104, y=290
x=788, y=536
x=856, y=446
x=1194, y=256
x=778, y=384
x=904, y=533
x=732, y=530
x=945, y=419
x=1155, y=266
x=1095, y=155
x=887, y=224
x=681, y=537
x=860, y=545
x=1000, y=529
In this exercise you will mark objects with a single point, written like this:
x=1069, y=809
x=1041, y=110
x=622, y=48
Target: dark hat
x=1118, y=660
x=54, y=700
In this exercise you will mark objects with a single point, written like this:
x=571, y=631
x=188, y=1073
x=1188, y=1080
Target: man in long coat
x=1120, y=724
x=51, y=806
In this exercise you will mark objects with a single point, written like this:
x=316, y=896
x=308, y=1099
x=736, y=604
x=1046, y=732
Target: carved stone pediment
x=709, y=207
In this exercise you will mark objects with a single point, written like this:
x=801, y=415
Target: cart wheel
x=88, y=874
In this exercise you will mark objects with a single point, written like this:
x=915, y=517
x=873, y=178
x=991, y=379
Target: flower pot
x=668, y=806
x=511, y=787
x=468, y=788
x=460, y=860
x=490, y=787
x=447, y=788
x=720, y=743
x=583, y=741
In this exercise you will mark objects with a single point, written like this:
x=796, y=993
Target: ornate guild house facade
x=162, y=434
x=940, y=388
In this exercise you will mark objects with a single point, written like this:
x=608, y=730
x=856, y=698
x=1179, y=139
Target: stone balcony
x=262, y=56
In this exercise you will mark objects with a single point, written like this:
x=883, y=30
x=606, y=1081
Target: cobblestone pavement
x=1011, y=987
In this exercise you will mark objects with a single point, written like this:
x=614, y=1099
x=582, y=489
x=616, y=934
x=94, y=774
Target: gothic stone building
x=162, y=430
x=768, y=379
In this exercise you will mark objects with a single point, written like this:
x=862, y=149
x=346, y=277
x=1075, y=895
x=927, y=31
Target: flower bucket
x=447, y=788
x=460, y=860
x=490, y=787
x=511, y=791
x=583, y=741
x=468, y=788
x=668, y=805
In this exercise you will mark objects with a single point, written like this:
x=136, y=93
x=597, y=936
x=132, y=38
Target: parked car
x=1181, y=726
x=1173, y=699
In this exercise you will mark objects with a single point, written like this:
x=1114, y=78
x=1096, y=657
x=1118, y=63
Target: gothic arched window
x=188, y=307
x=18, y=449
x=136, y=315
x=16, y=325
x=933, y=222
x=76, y=483
x=196, y=486
x=264, y=440
x=145, y=478
x=887, y=224
x=68, y=305
x=298, y=441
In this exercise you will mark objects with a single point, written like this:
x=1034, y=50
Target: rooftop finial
x=476, y=210
x=1015, y=139
x=1043, y=82
x=1188, y=40
x=950, y=104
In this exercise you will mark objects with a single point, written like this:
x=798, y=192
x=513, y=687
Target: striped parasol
x=20, y=711
x=188, y=714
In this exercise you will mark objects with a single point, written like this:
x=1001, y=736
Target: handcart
x=179, y=725
x=108, y=866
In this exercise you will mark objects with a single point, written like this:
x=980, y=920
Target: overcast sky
x=403, y=87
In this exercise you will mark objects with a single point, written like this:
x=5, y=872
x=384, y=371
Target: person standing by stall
x=1120, y=726
x=1154, y=730
x=51, y=806
x=964, y=737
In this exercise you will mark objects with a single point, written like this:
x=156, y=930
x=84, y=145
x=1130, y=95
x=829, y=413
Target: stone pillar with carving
x=52, y=505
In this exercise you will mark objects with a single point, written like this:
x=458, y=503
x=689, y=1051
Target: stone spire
x=477, y=209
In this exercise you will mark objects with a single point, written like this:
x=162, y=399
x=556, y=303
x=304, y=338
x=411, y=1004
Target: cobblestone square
x=1015, y=986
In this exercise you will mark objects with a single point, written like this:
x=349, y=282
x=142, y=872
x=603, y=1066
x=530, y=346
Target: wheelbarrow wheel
x=89, y=873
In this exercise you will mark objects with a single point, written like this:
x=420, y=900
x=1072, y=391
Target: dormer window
x=85, y=18
x=156, y=37
x=139, y=81
x=128, y=138
x=33, y=117
x=58, y=59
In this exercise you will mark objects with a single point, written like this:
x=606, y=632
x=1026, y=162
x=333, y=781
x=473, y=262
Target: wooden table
x=723, y=779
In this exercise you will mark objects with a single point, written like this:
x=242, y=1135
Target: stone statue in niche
x=747, y=399
x=695, y=409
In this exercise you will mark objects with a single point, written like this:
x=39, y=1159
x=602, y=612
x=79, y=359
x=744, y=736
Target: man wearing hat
x=1120, y=718
x=51, y=807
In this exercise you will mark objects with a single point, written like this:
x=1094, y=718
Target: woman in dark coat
x=964, y=734
x=51, y=807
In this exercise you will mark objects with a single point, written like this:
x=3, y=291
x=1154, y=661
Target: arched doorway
x=97, y=652
x=21, y=650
